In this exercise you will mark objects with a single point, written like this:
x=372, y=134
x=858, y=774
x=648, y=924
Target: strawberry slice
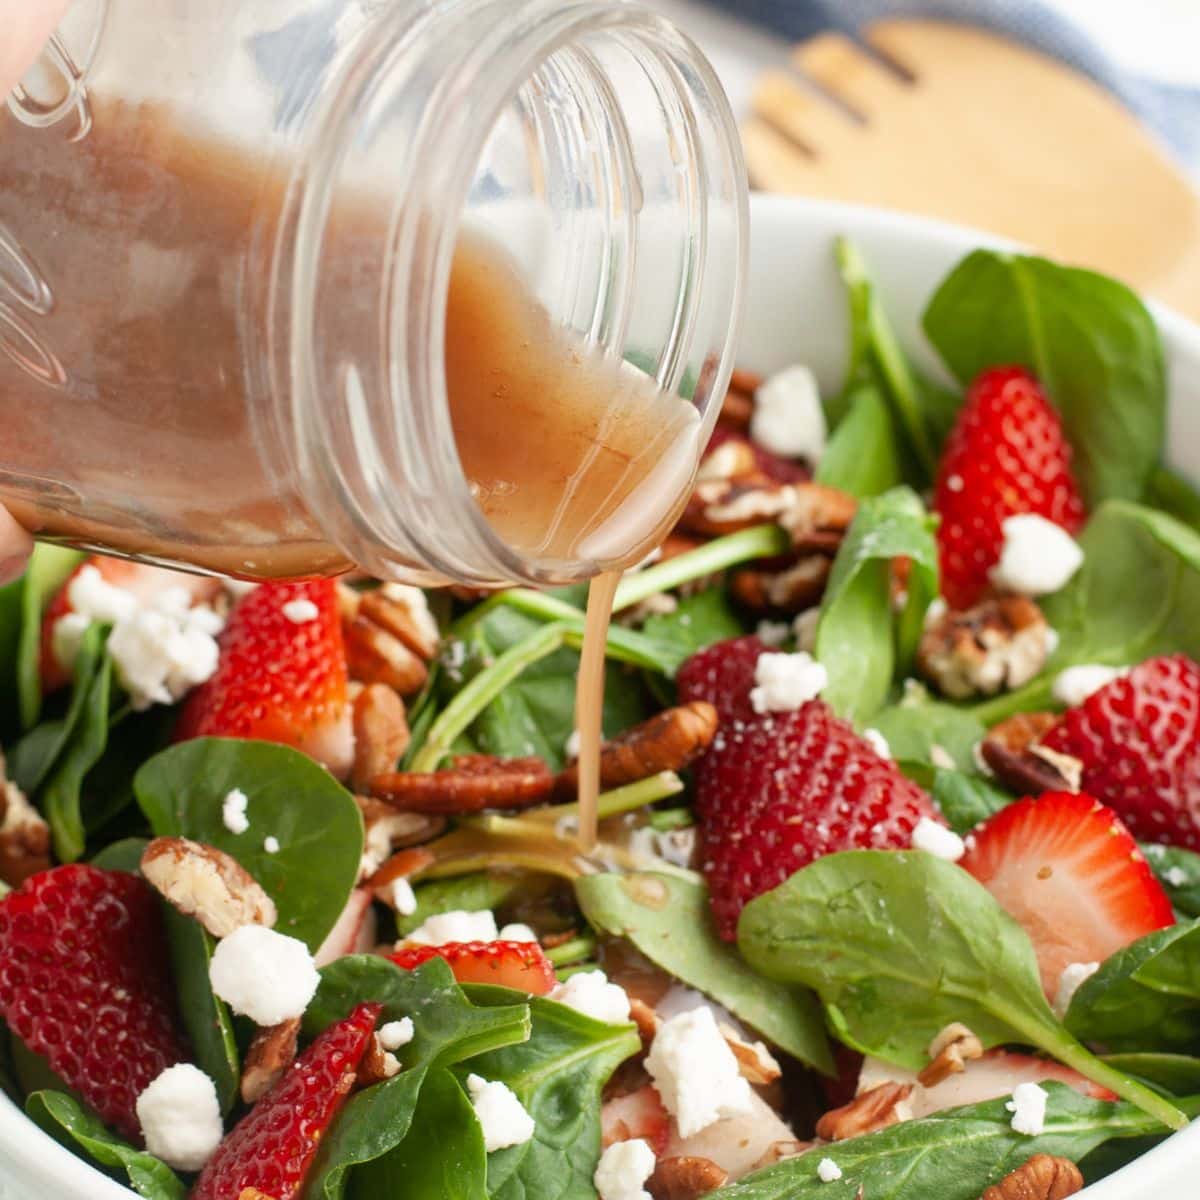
x=638, y=1114
x=271, y=1149
x=723, y=675
x=85, y=982
x=520, y=965
x=281, y=676
x=1068, y=870
x=1006, y=455
x=144, y=583
x=1139, y=741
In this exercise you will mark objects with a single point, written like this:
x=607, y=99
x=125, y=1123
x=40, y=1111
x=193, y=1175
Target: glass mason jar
x=442, y=288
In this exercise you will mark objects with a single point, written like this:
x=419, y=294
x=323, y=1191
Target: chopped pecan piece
x=778, y=1151
x=470, y=784
x=404, y=864
x=997, y=645
x=388, y=830
x=668, y=741
x=404, y=612
x=818, y=516
x=646, y=1020
x=377, y=1064
x=1043, y=1177
x=876, y=1109
x=1011, y=749
x=375, y=656
x=381, y=733
x=271, y=1052
x=24, y=834
x=685, y=1178
x=733, y=459
x=208, y=884
x=736, y=410
x=784, y=592
x=756, y=1064
x=746, y=382
x=949, y=1053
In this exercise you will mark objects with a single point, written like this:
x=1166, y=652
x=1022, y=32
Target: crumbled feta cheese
x=1038, y=557
x=1069, y=982
x=937, y=840
x=456, y=926
x=786, y=681
x=788, y=418
x=301, y=610
x=828, y=1171
x=1176, y=877
x=92, y=596
x=1028, y=1107
x=394, y=1034
x=266, y=976
x=877, y=742
x=233, y=811
x=404, y=899
x=1074, y=685
x=696, y=1073
x=805, y=629
x=773, y=633
x=271, y=844
x=1052, y=638
x=623, y=1168
x=180, y=1117
x=591, y=993
x=501, y=1115
x=571, y=749
x=160, y=657
x=941, y=757
x=517, y=932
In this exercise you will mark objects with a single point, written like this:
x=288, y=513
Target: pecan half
x=404, y=612
x=388, y=638
x=376, y=1064
x=818, y=516
x=1009, y=749
x=470, y=784
x=381, y=733
x=685, y=1178
x=997, y=645
x=646, y=1020
x=668, y=741
x=388, y=830
x=24, y=834
x=756, y=1064
x=784, y=592
x=876, y=1109
x=949, y=1053
x=208, y=884
x=271, y=1052
x=1043, y=1177
x=733, y=459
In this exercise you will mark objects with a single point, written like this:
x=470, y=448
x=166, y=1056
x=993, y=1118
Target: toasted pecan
x=737, y=409
x=685, y=1177
x=1009, y=749
x=668, y=741
x=373, y=655
x=376, y=1064
x=24, y=834
x=786, y=591
x=876, y=1109
x=1043, y=1177
x=381, y=733
x=746, y=382
x=404, y=864
x=272, y=1050
x=949, y=1053
x=472, y=783
x=756, y=1064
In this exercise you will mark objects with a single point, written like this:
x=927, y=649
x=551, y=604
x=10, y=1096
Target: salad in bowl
x=897, y=889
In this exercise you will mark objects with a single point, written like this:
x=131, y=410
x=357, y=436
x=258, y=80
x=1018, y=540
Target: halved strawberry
x=638, y=1114
x=85, y=981
x=269, y=1152
x=520, y=965
x=281, y=677
x=1068, y=870
x=723, y=674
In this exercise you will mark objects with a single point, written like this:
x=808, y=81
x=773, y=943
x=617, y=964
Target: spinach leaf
x=1173, y=494
x=125, y=855
x=1178, y=870
x=699, y=621
x=441, y=1157
x=292, y=798
x=861, y=457
x=950, y=1155
x=82, y=1131
x=470, y=893
x=898, y=946
x=917, y=729
x=47, y=571
x=856, y=640
x=1089, y=340
x=667, y=918
x=1178, y=1074
x=964, y=800
x=1146, y=996
x=558, y=1076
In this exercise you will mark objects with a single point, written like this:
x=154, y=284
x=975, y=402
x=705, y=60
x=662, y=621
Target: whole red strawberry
x=1139, y=741
x=520, y=965
x=722, y=674
x=281, y=675
x=1005, y=456
x=273, y=1146
x=85, y=982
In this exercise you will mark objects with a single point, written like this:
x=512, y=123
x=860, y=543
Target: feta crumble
x=1069, y=982
x=623, y=1168
x=788, y=418
x=233, y=811
x=828, y=1171
x=301, y=610
x=271, y=845
x=1074, y=685
x=501, y=1115
x=1028, y=1107
x=92, y=596
x=517, y=932
x=404, y=899
x=591, y=993
x=456, y=926
x=877, y=742
x=1038, y=557
x=786, y=681
x=1176, y=877
x=773, y=633
x=395, y=1034
x=939, y=756
x=159, y=657
x=180, y=1117
x=937, y=840
x=696, y=1073
x=266, y=976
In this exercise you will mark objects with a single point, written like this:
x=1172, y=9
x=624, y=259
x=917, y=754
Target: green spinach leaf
x=1178, y=870
x=699, y=621
x=1178, y=1074
x=1172, y=494
x=667, y=918
x=861, y=457
x=292, y=798
x=47, y=571
x=1090, y=341
x=964, y=800
x=898, y=946
x=917, y=729
x=82, y=1131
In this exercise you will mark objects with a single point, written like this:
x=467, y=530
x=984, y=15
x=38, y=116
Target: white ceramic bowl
x=797, y=313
